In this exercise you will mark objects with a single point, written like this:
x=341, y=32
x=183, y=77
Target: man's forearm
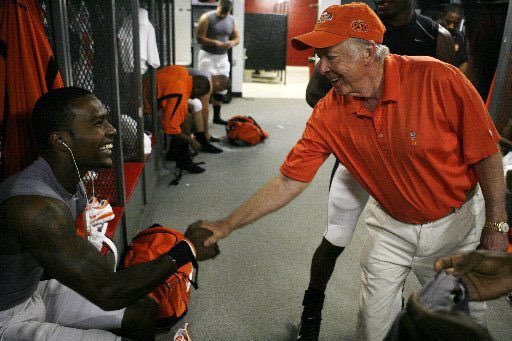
x=489, y=172
x=206, y=41
x=275, y=194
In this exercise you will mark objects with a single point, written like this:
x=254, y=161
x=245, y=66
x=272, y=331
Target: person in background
x=217, y=83
x=385, y=132
x=85, y=298
x=452, y=19
x=175, y=87
x=406, y=33
x=217, y=33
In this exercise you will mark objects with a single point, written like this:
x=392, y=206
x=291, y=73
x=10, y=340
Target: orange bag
x=244, y=131
x=172, y=296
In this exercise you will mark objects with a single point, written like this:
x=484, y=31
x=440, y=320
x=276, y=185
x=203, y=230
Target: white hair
x=356, y=46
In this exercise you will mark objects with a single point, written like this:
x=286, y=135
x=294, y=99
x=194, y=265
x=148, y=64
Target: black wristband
x=181, y=254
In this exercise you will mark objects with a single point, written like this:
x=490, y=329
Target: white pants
x=392, y=249
x=347, y=199
x=215, y=64
x=55, y=312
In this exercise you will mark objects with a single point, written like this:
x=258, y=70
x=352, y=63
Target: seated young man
x=84, y=299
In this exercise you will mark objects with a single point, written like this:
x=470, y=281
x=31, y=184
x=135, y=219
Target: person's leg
x=222, y=67
x=55, y=312
x=26, y=322
x=179, y=151
x=195, y=108
x=346, y=201
x=67, y=308
x=385, y=263
x=457, y=233
x=205, y=101
x=210, y=63
x=217, y=105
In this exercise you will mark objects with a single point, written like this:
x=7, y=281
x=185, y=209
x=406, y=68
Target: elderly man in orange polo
x=415, y=134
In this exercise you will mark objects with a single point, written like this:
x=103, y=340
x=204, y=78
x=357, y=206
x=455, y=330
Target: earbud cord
x=78, y=172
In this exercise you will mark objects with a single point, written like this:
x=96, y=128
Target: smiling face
x=347, y=74
x=92, y=135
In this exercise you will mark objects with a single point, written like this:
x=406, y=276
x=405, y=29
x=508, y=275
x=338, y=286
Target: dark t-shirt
x=417, y=38
x=461, y=51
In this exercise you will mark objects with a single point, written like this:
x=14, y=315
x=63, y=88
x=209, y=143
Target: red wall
x=260, y=6
x=301, y=19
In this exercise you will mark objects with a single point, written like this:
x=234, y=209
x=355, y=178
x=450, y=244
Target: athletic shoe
x=214, y=139
x=309, y=327
x=311, y=318
x=210, y=148
x=206, y=146
x=191, y=167
x=219, y=121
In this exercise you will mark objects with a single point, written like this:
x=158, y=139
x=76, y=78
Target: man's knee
x=327, y=250
x=139, y=320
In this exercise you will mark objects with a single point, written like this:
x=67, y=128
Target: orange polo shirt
x=414, y=153
x=174, y=87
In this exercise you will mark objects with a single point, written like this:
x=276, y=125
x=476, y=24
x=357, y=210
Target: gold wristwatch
x=500, y=227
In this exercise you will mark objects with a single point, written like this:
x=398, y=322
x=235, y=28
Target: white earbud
x=65, y=145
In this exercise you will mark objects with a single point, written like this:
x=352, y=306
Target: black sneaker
x=191, y=167
x=210, y=148
x=214, y=139
x=309, y=327
x=219, y=121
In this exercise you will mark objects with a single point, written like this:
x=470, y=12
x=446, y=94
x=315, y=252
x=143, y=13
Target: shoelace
x=98, y=214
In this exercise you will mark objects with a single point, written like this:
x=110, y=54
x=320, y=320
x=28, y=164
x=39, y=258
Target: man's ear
x=369, y=52
x=58, y=141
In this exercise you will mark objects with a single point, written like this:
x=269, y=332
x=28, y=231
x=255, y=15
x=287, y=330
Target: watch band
x=494, y=226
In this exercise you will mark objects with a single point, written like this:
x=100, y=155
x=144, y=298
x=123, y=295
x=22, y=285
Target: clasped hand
x=197, y=235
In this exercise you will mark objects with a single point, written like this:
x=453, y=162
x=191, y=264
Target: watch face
x=504, y=227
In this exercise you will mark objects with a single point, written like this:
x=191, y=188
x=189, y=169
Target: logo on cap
x=324, y=17
x=359, y=26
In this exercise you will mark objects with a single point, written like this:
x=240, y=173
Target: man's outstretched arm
x=46, y=228
x=275, y=194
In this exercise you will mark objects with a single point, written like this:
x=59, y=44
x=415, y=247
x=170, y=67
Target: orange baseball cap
x=340, y=22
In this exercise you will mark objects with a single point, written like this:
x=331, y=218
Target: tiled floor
x=271, y=84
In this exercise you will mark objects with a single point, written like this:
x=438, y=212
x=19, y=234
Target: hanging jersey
x=27, y=70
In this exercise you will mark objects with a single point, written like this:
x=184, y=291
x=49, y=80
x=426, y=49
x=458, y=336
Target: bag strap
x=147, y=231
x=261, y=132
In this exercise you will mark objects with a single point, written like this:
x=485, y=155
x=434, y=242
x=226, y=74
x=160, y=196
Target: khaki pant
x=393, y=249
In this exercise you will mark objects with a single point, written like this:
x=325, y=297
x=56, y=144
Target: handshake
x=197, y=235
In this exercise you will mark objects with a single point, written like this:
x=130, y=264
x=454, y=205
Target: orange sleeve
x=309, y=153
x=468, y=117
